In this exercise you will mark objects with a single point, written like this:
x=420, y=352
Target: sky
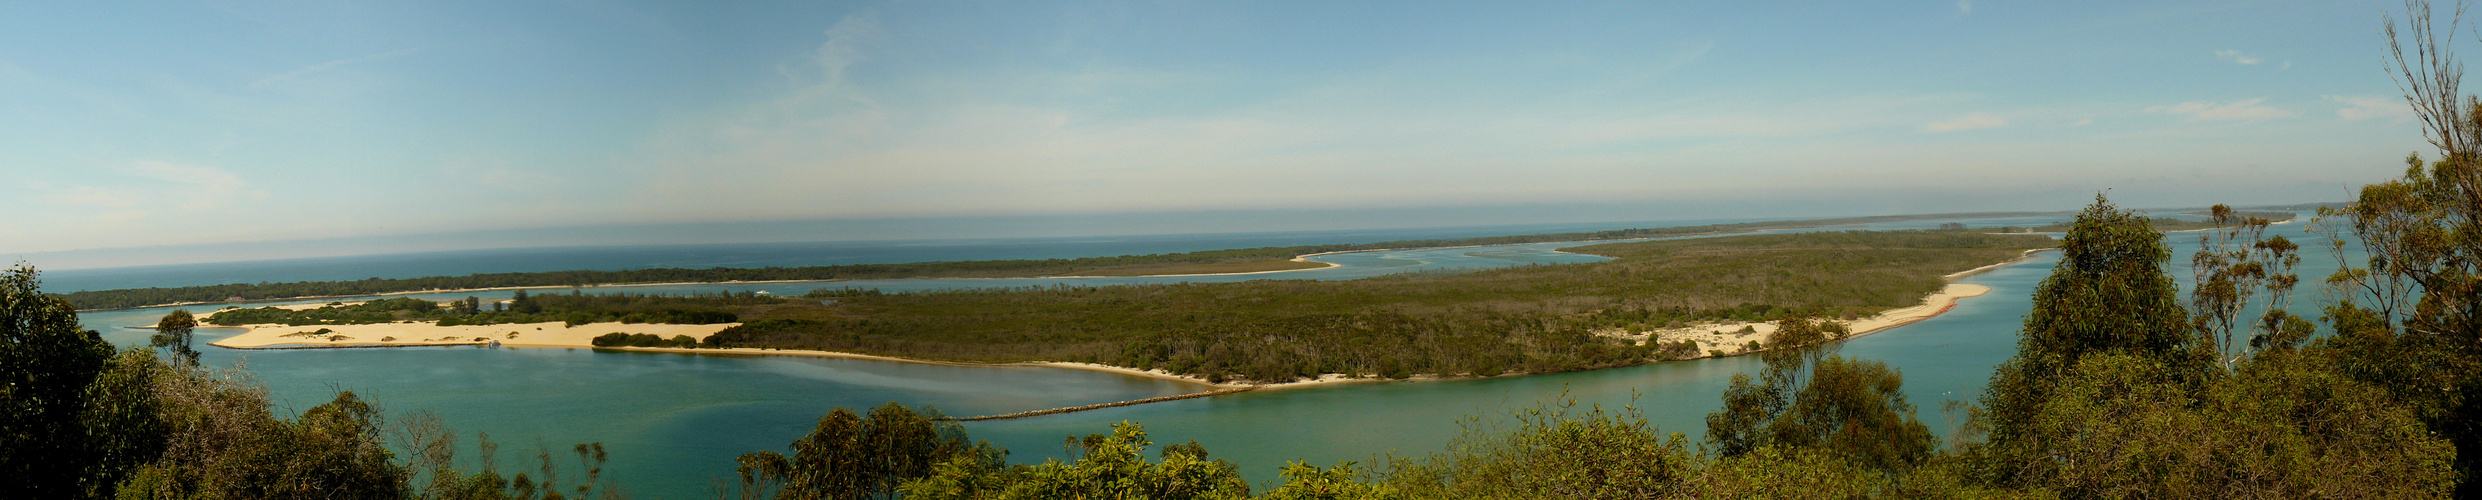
x=219, y=123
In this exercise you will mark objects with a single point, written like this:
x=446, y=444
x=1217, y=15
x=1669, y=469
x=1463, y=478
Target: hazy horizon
x=205, y=127
x=1516, y=219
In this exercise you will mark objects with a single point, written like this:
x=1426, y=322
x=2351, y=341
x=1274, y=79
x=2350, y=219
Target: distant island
x=2168, y=225
x=1248, y=260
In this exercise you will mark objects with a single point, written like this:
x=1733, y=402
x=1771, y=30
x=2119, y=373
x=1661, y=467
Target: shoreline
x=2028, y=254
x=1714, y=339
x=543, y=336
x=266, y=337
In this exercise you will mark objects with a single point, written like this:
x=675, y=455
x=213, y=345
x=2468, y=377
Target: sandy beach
x=1732, y=337
x=549, y=334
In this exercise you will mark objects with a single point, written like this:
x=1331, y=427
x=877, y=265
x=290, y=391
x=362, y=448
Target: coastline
x=2028, y=254
x=1715, y=339
x=1711, y=336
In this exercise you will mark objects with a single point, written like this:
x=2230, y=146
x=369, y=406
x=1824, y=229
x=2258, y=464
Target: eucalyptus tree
x=173, y=334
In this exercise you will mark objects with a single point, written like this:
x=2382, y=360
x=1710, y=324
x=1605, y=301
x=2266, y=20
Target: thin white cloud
x=187, y=188
x=324, y=67
x=203, y=187
x=844, y=45
x=94, y=196
x=1964, y=6
x=2237, y=56
x=2358, y=108
x=2248, y=110
x=1975, y=120
x=2081, y=122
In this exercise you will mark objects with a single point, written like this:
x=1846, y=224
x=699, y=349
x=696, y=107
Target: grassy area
x=1235, y=260
x=1540, y=318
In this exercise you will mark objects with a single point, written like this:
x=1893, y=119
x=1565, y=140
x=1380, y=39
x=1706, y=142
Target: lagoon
x=673, y=422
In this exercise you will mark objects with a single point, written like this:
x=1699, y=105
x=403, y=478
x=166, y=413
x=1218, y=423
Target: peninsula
x=1655, y=301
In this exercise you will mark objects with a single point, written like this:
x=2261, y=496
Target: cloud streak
x=2247, y=110
x=2357, y=108
x=1971, y=121
x=2238, y=57
x=324, y=67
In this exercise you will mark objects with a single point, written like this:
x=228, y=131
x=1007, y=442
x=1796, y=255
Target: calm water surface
x=673, y=422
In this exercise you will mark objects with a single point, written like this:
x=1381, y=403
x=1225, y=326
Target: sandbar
x=548, y=334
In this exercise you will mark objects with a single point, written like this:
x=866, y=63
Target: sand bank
x=1732, y=337
x=549, y=334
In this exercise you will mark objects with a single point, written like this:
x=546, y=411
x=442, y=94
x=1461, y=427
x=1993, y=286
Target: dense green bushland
x=2119, y=389
x=643, y=340
x=1524, y=319
x=573, y=308
x=1120, y=265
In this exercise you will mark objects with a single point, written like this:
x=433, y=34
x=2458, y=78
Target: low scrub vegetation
x=1529, y=319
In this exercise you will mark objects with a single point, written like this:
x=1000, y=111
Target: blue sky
x=228, y=122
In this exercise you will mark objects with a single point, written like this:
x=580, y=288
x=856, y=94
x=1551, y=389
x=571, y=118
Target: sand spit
x=1732, y=337
x=549, y=334
x=1725, y=337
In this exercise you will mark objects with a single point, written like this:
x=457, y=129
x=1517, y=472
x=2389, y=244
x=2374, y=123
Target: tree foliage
x=172, y=334
x=1808, y=398
x=850, y=456
x=1555, y=450
x=2108, y=295
x=1115, y=466
x=46, y=363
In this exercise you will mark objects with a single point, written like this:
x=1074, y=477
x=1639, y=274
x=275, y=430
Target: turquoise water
x=672, y=422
